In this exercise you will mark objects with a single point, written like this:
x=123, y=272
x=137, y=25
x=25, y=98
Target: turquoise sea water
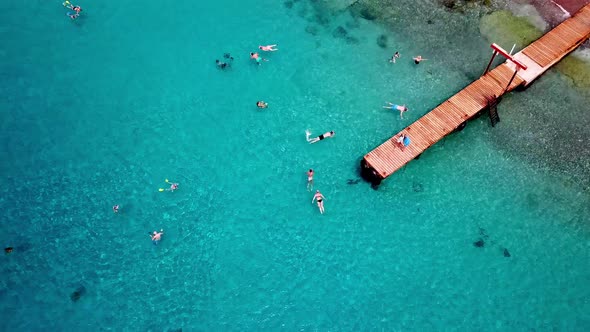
x=100, y=111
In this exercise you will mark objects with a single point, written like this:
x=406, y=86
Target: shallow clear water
x=100, y=111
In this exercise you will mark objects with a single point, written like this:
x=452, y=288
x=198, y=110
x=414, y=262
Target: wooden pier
x=452, y=115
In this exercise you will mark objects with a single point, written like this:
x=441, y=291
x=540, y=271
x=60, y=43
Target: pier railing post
x=490, y=63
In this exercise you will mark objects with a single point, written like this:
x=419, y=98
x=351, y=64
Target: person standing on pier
x=403, y=141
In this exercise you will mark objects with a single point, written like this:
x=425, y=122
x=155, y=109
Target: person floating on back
x=418, y=59
x=268, y=48
x=257, y=58
x=320, y=198
x=261, y=104
x=319, y=138
x=173, y=186
x=310, y=179
x=401, y=108
x=157, y=236
x=394, y=57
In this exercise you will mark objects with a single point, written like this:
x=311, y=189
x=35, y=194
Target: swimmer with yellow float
x=173, y=186
x=75, y=8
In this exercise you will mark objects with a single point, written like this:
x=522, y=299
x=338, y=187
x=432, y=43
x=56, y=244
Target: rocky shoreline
x=555, y=11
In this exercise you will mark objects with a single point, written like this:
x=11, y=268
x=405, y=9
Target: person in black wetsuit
x=319, y=138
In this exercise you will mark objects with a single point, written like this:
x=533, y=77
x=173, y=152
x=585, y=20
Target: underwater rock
x=338, y=4
x=417, y=187
x=78, y=293
x=312, y=30
x=483, y=233
x=351, y=40
x=339, y=32
x=352, y=24
x=506, y=253
x=23, y=247
x=479, y=243
x=450, y=4
x=382, y=41
x=322, y=19
x=368, y=13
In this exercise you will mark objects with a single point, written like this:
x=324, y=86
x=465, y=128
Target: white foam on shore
x=566, y=14
x=582, y=54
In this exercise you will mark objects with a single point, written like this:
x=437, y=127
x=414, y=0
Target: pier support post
x=510, y=82
x=369, y=174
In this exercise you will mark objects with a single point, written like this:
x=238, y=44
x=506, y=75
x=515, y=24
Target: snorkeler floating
x=173, y=186
x=116, y=209
x=319, y=138
x=394, y=57
x=310, y=179
x=76, y=9
x=261, y=104
x=268, y=48
x=156, y=236
x=418, y=59
x=402, y=109
x=257, y=57
x=224, y=65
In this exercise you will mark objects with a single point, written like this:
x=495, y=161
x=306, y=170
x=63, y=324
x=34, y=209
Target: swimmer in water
x=402, y=109
x=418, y=59
x=116, y=209
x=8, y=250
x=310, y=179
x=394, y=57
x=173, y=186
x=268, y=48
x=261, y=104
x=157, y=236
x=77, y=9
x=320, y=198
x=257, y=57
x=221, y=65
x=319, y=138
x=72, y=15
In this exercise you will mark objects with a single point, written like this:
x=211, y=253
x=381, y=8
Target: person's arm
x=313, y=199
